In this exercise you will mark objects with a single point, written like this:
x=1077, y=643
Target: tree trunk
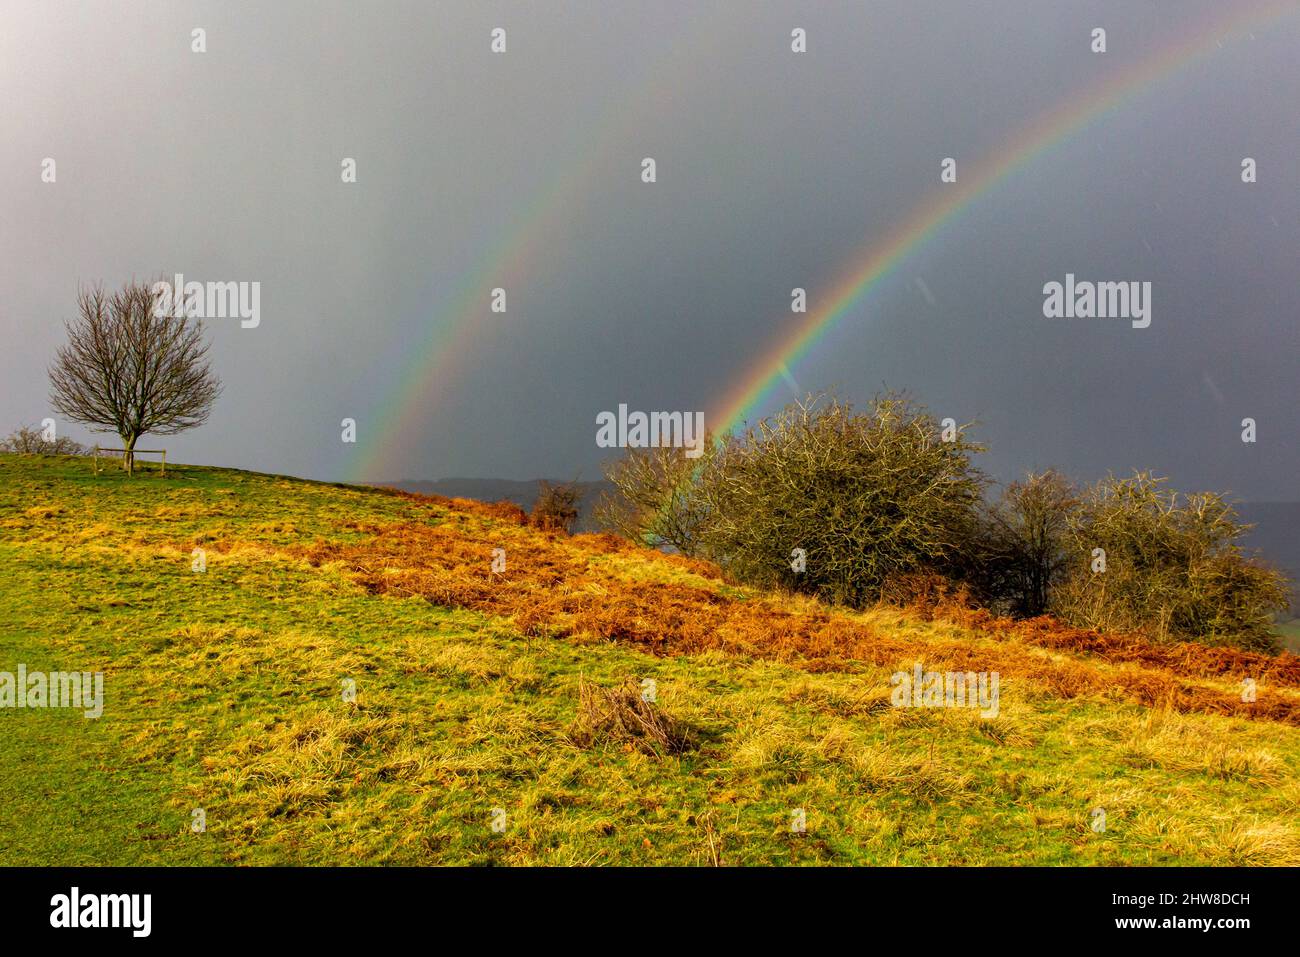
x=128, y=454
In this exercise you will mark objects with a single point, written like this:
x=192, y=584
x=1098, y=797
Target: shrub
x=556, y=508
x=29, y=441
x=1019, y=555
x=1173, y=569
x=864, y=496
x=656, y=498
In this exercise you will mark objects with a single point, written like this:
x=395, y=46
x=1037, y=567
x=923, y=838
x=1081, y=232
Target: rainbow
x=1038, y=137
x=440, y=357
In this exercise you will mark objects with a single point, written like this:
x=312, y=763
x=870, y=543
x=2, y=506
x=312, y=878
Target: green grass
x=223, y=691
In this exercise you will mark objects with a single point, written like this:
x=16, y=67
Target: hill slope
x=521, y=493
x=484, y=728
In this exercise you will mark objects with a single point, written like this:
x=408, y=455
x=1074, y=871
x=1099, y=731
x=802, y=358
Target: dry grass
x=578, y=588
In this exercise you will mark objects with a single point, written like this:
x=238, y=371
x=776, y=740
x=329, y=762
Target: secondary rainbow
x=1047, y=131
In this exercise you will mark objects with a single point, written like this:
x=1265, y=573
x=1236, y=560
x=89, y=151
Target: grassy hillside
x=522, y=493
x=223, y=691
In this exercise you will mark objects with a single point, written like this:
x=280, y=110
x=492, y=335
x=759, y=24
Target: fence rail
x=162, y=452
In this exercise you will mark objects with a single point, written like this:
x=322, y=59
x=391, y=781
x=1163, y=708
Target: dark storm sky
x=775, y=170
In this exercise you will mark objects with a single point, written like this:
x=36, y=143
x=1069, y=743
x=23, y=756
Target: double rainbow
x=441, y=357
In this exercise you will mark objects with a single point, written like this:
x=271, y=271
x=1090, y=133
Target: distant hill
x=522, y=493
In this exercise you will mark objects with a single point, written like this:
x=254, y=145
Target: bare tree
x=127, y=369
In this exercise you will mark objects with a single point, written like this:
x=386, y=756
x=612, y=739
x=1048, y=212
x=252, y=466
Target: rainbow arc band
x=1048, y=130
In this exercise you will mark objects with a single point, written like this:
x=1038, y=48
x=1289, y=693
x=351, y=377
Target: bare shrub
x=1173, y=569
x=556, y=508
x=26, y=440
x=863, y=496
x=656, y=498
x=1019, y=555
